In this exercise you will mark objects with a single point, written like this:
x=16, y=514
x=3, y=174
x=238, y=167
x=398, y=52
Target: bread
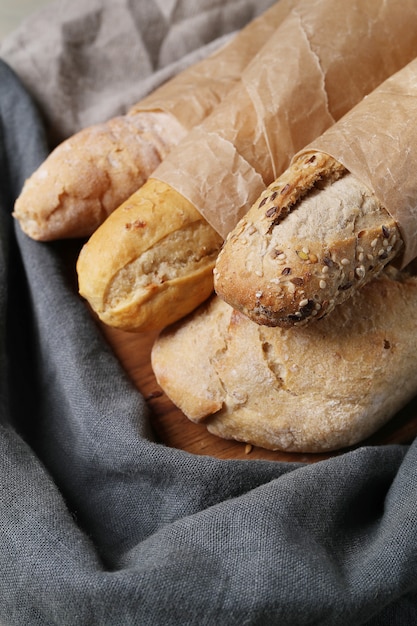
x=224, y=163
x=90, y=174
x=315, y=388
x=312, y=239
x=137, y=267
x=87, y=176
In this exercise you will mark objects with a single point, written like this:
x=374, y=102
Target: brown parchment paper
x=86, y=62
x=377, y=142
x=193, y=93
x=320, y=62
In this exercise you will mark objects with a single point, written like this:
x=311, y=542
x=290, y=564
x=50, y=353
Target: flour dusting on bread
x=313, y=238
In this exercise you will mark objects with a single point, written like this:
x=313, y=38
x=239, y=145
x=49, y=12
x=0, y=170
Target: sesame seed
x=370, y=257
x=271, y=211
x=303, y=302
x=360, y=271
x=251, y=230
x=359, y=249
x=275, y=253
x=385, y=243
x=381, y=252
x=374, y=243
x=361, y=257
x=345, y=261
x=325, y=269
x=317, y=306
x=282, y=256
x=258, y=294
x=322, y=284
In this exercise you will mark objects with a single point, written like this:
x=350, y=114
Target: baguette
x=312, y=239
x=316, y=388
x=135, y=269
x=90, y=174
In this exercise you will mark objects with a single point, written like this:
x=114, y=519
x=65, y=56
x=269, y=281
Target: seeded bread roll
x=316, y=388
x=312, y=239
x=146, y=267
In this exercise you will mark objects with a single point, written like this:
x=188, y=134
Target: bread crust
x=146, y=267
x=90, y=174
x=315, y=388
x=311, y=240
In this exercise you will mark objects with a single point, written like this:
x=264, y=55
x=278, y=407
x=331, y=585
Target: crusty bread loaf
x=90, y=174
x=313, y=238
x=145, y=267
x=87, y=176
x=314, y=388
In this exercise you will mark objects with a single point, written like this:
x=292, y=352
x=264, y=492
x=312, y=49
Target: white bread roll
x=316, y=388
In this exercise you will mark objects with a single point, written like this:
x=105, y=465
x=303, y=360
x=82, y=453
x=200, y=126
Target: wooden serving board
x=174, y=429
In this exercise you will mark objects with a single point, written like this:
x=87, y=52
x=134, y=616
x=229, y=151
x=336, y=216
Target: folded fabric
x=100, y=524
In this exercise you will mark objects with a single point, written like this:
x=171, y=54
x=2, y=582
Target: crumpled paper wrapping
x=85, y=62
x=321, y=61
x=377, y=142
x=191, y=95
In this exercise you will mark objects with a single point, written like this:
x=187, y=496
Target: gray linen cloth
x=99, y=523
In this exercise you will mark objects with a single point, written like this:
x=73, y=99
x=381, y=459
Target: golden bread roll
x=135, y=269
x=313, y=238
x=314, y=388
